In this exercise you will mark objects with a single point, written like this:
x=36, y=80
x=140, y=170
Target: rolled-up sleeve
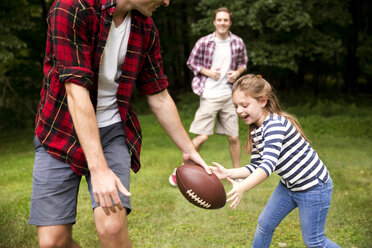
x=72, y=40
x=195, y=60
x=241, y=55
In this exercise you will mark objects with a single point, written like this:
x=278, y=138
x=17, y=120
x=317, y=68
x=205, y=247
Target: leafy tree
x=174, y=26
x=315, y=45
x=285, y=37
x=22, y=36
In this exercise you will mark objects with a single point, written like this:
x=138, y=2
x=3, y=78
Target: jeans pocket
x=330, y=187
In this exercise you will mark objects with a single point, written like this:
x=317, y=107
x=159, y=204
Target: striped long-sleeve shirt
x=278, y=146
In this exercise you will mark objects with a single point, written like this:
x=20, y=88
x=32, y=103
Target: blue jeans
x=313, y=206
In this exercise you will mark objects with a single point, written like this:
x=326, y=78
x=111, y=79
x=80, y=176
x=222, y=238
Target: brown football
x=199, y=188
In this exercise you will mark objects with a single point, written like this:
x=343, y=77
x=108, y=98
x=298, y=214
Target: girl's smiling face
x=252, y=111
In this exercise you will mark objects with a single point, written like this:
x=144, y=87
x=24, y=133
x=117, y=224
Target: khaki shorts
x=209, y=109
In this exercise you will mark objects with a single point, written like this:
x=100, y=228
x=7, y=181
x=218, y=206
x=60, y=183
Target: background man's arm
x=232, y=76
x=213, y=73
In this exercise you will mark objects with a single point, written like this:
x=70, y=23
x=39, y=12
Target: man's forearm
x=85, y=124
x=205, y=72
x=166, y=113
x=240, y=70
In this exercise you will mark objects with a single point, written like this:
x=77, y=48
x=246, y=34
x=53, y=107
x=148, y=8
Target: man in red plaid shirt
x=96, y=52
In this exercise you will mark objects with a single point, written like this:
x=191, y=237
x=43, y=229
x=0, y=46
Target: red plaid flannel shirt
x=77, y=34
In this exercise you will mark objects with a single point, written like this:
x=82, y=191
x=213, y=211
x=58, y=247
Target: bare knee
x=233, y=140
x=48, y=243
x=199, y=140
x=113, y=227
x=55, y=236
x=109, y=228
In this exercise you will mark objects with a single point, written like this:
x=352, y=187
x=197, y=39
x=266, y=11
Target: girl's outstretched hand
x=235, y=194
x=219, y=170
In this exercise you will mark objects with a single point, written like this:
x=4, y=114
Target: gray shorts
x=209, y=109
x=55, y=186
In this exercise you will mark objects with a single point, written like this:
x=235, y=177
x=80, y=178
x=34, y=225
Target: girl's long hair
x=258, y=88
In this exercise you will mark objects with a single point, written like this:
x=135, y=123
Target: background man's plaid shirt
x=77, y=34
x=201, y=57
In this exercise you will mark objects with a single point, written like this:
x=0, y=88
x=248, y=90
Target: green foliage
x=278, y=16
x=12, y=21
x=280, y=34
x=364, y=53
x=22, y=36
x=314, y=45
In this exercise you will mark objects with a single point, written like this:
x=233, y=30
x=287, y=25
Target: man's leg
x=56, y=236
x=228, y=124
x=235, y=150
x=199, y=141
x=203, y=122
x=53, y=201
x=112, y=229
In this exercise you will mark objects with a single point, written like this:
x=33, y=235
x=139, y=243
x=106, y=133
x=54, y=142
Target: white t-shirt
x=221, y=59
x=109, y=72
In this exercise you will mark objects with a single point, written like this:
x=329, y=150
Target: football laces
x=197, y=199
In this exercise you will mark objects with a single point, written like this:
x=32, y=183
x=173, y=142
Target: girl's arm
x=234, y=173
x=238, y=189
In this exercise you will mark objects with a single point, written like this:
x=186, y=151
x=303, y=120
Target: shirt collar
x=108, y=4
x=211, y=38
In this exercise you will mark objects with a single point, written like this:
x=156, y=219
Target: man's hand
x=213, y=73
x=105, y=185
x=104, y=182
x=232, y=76
x=196, y=159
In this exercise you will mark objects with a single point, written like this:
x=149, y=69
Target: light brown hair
x=258, y=88
x=222, y=9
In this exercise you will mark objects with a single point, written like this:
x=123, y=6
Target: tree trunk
x=352, y=62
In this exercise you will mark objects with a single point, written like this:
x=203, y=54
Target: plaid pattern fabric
x=202, y=57
x=76, y=38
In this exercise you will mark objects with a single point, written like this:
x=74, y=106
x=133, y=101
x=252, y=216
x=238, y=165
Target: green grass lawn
x=161, y=217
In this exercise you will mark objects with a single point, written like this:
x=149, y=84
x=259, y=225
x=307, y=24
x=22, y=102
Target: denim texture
x=313, y=208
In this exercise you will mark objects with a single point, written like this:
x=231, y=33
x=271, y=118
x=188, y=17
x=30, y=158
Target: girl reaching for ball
x=277, y=143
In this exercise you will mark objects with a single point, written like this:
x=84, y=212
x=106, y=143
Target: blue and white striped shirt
x=282, y=149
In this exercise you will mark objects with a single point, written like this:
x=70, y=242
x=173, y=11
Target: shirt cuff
x=77, y=75
x=154, y=87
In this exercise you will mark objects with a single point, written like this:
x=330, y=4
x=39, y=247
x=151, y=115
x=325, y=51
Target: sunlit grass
x=161, y=217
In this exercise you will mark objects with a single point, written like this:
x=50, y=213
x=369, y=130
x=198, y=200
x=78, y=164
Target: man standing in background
x=217, y=60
